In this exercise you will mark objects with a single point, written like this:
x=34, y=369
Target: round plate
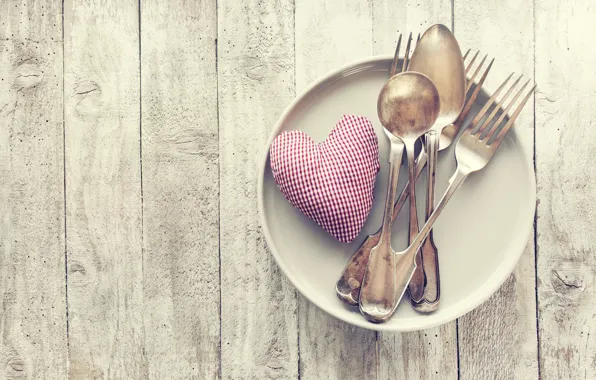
x=480, y=235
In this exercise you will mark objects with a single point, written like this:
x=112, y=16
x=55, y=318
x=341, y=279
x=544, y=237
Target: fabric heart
x=331, y=182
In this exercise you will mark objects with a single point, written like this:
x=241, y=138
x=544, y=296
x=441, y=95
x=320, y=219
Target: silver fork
x=473, y=151
x=348, y=285
x=406, y=61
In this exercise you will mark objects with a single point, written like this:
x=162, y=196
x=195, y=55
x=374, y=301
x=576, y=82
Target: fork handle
x=350, y=281
x=406, y=265
x=455, y=182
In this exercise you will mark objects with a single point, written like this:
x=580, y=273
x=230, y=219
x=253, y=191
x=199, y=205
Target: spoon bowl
x=438, y=56
x=408, y=104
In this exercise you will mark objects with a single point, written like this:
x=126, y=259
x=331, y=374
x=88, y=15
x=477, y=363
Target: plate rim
x=475, y=299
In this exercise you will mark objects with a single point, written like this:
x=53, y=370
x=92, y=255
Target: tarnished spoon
x=439, y=57
x=408, y=106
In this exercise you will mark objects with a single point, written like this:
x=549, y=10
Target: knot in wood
x=28, y=74
x=77, y=274
x=88, y=98
x=15, y=368
x=567, y=281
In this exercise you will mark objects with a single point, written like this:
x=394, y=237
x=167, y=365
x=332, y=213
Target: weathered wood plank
x=256, y=81
x=432, y=353
x=103, y=190
x=565, y=135
x=329, y=35
x=391, y=18
x=33, y=341
x=499, y=338
x=180, y=188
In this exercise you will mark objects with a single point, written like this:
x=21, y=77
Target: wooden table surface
x=130, y=246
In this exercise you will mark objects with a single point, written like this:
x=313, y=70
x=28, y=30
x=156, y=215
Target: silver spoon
x=408, y=106
x=439, y=57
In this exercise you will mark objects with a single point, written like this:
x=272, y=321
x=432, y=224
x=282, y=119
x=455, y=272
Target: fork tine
x=511, y=120
x=407, y=55
x=487, y=105
x=469, y=82
x=393, y=70
x=495, y=127
x=469, y=66
x=472, y=99
x=466, y=55
x=471, y=63
x=418, y=39
x=488, y=120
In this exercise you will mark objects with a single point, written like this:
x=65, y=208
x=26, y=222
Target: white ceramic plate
x=480, y=235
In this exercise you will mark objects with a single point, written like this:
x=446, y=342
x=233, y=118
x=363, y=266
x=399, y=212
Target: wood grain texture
x=32, y=280
x=565, y=135
x=432, y=353
x=103, y=190
x=142, y=252
x=391, y=18
x=499, y=338
x=259, y=337
x=329, y=348
x=180, y=188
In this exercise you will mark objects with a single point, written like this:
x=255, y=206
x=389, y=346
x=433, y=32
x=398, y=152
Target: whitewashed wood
x=391, y=18
x=108, y=317
x=103, y=190
x=499, y=338
x=180, y=189
x=432, y=353
x=32, y=279
x=565, y=135
x=259, y=337
x=329, y=35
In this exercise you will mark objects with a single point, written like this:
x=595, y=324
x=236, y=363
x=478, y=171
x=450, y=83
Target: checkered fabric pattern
x=331, y=182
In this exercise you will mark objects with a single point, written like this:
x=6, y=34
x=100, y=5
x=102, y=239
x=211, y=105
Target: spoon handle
x=416, y=286
x=348, y=285
x=377, y=295
x=428, y=251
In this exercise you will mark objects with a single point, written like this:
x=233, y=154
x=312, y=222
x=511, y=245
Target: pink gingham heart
x=331, y=182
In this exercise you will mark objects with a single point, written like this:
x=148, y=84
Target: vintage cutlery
x=473, y=151
x=394, y=69
x=439, y=57
x=348, y=285
x=408, y=106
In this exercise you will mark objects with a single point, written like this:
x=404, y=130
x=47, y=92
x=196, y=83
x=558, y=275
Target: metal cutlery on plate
x=438, y=56
x=408, y=107
x=376, y=277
